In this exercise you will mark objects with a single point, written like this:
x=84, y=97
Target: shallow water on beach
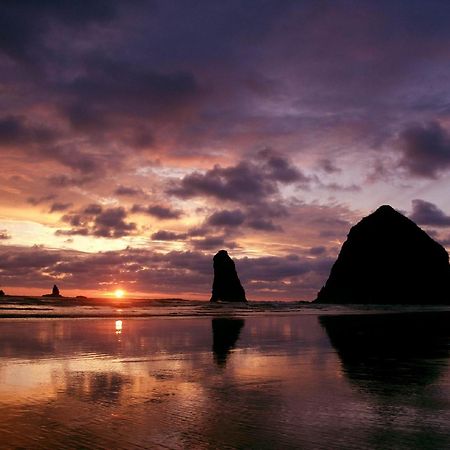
x=313, y=381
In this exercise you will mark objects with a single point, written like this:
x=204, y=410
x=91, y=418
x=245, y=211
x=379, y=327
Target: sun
x=119, y=293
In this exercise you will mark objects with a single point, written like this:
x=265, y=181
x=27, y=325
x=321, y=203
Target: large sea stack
x=388, y=259
x=226, y=285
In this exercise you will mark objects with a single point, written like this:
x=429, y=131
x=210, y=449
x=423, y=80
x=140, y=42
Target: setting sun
x=119, y=293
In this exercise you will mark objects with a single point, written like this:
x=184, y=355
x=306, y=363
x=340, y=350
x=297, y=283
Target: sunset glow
x=118, y=159
x=119, y=293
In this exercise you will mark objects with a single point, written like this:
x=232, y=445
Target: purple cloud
x=427, y=213
x=425, y=150
x=247, y=182
x=226, y=218
x=98, y=221
x=158, y=211
x=164, y=235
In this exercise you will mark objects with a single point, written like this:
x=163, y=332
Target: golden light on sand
x=119, y=293
x=118, y=326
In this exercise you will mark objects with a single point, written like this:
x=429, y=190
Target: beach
x=223, y=376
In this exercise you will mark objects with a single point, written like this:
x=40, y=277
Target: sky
x=139, y=138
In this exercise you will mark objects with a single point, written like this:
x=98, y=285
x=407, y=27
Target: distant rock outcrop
x=2, y=293
x=388, y=259
x=55, y=292
x=226, y=286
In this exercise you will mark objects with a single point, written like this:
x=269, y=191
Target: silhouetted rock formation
x=226, y=286
x=2, y=293
x=382, y=352
x=55, y=292
x=225, y=335
x=388, y=259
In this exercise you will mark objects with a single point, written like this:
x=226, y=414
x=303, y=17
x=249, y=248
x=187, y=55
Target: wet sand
x=258, y=380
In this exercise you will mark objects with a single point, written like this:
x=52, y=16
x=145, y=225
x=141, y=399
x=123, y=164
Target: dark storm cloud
x=158, y=211
x=426, y=213
x=425, y=150
x=247, y=182
x=98, y=221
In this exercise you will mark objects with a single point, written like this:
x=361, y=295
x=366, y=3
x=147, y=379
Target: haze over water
x=253, y=381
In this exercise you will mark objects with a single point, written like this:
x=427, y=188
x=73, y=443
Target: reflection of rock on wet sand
x=386, y=351
x=225, y=335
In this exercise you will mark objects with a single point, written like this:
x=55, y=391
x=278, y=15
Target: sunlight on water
x=256, y=382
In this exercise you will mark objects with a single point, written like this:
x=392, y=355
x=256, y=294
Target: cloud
x=212, y=243
x=145, y=270
x=111, y=95
x=158, y=211
x=64, y=180
x=263, y=225
x=15, y=131
x=164, y=235
x=280, y=168
x=426, y=213
x=127, y=191
x=328, y=166
x=318, y=250
x=98, y=221
x=39, y=200
x=247, y=182
x=58, y=207
x=226, y=218
x=41, y=143
x=25, y=24
x=425, y=150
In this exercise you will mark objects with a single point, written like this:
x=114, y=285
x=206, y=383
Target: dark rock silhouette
x=388, y=259
x=2, y=293
x=55, y=292
x=383, y=352
x=225, y=335
x=226, y=285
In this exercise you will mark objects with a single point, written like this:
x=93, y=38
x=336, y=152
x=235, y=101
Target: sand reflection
x=268, y=382
x=225, y=335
